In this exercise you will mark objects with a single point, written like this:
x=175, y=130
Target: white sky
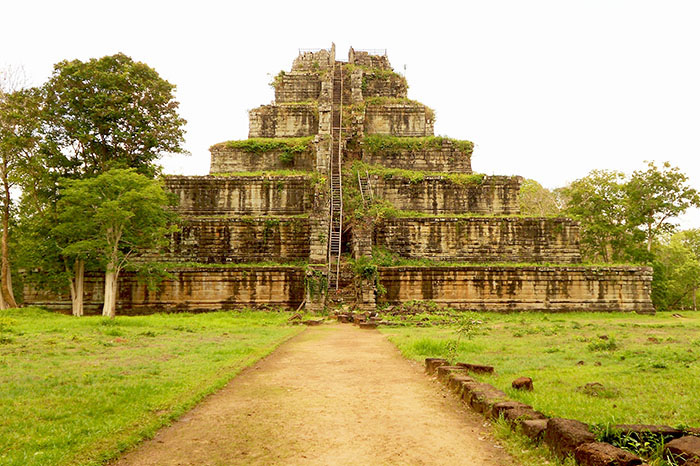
x=546, y=89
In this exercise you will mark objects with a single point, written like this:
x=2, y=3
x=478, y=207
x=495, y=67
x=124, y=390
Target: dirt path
x=333, y=395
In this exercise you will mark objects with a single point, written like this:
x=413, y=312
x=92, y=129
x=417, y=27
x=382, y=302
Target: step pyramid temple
x=342, y=194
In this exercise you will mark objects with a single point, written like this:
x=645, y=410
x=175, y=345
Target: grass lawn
x=649, y=366
x=80, y=390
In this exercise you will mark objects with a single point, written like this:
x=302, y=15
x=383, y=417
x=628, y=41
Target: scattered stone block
x=312, y=323
x=693, y=431
x=343, y=318
x=484, y=397
x=499, y=408
x=476, y=368
x=684, y=448
x=368, y=325
x=604, y=454
x=468, y=388
x=455, y=381
x=533, y=428
x=522, y=383
x=564, y=436
x=444, y=372
x=431, y=364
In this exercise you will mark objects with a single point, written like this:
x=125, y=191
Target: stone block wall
x=238, y=239
x=447, y=159
x=242, y=195
x=482, y=239
x=314, y=60
x=283, y=121
x=522, y=288
x=496, y=195
x=398, y=119
x=297, y=87
x=191, y=290
x=225, y=159
x=364, y=58
x=383, y=85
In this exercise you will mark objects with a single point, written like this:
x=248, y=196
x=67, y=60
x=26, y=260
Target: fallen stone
x=564, y=436
x=533, y=428
x=476, y=368
x=692, y=462
x=684, y=448
x=484, y=397
x=468, y=388
x=312, y=323
x=522, y=383
x=604, y=454
x=368, y=325
x=499, y=408
x=444, y=372
x=693, y=431
x=431, y=364
x=643, y=430
x=343, y=318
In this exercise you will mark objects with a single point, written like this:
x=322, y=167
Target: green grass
x=80, y=390
x=258, y=145
x=648, y=365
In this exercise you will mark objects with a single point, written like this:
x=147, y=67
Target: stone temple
x=342, y=194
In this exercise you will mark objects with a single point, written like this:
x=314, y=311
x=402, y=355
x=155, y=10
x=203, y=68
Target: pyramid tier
x=432, y=154
x=263, y=154
x=516, y=288
x=481, y=239
x=238, y=239
x=277, y=195
x=191, y=289
x=284, y=121
x=488, y=195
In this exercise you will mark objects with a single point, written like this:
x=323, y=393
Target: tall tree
x=537, y=200
x=598, y=202
x=19, y=139
x=113, y=217
x=656, y=195
x=110, y=112
x=104, y=113
x=678, y=258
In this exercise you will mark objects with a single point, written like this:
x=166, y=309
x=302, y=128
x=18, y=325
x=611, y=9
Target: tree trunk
x=5, y=277
x=695, y=295
x=110, y=305
x=649, y=235
x=77, y=286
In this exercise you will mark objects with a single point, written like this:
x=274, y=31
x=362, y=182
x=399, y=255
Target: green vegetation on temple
x=393, y=145
x=259, y=145
x=174, y=266
x=417, y=176
x=383, y=257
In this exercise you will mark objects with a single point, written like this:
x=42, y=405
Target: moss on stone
x=392, y=145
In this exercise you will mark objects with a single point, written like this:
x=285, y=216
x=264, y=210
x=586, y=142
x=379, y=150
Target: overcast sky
x=546, y=89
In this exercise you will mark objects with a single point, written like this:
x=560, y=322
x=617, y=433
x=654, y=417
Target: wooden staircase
x=336, y=180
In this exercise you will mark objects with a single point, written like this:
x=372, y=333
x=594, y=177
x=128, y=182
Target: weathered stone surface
x=368, y=325
x=225, y=159
x=239, y=239
x=484, y=397
x=431, y=364
x=533, y=428
x=500, y=408
x=369, y=60
x=522, y=383
x=476, y=368
x=444, y=372
x=564, y=436
x=518, y=415
x=495, y=195
x=486, y=239
x=446, y=159
x=383, y=84
x=191, y=290
x=684, y=448
x=297, y=86
x=242, y=195
x=455, y=380
x=604, y=454
x=521, y=288
x=283, y=121
x=398, y=119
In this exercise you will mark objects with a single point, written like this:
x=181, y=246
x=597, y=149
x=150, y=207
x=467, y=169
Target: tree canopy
x=110, y=112
x=113, y=217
